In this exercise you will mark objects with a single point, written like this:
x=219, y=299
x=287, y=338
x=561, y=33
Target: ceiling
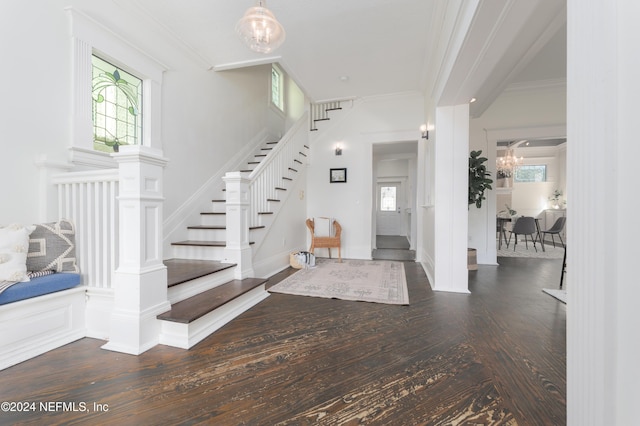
x=337, y=49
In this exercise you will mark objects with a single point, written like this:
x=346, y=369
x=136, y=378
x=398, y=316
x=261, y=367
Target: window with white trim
x=531, y=173
x=388, y=198
x=277, y=88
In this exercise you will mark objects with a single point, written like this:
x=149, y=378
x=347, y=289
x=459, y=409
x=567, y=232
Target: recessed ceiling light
x=472, y=100
x=344, y=78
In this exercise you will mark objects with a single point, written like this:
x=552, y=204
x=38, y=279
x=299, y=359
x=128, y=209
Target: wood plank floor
x=494, y=357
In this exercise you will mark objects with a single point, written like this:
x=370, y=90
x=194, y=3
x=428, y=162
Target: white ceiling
x=382, y=46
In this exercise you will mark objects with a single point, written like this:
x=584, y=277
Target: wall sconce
x=424, y=130
x=338, y=149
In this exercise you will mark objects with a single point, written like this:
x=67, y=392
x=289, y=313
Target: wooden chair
x=325, y=242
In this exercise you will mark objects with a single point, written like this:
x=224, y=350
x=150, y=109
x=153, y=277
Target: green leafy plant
x=478, y=178
x=508, y=212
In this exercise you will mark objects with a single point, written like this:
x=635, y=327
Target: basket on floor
x=293, y=261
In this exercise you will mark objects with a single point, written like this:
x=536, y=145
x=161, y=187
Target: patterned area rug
x=561, y=295
x=377, y=281
x=522, y=251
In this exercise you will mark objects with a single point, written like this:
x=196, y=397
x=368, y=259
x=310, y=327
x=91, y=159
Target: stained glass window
x=388, y=198
x=117, y=107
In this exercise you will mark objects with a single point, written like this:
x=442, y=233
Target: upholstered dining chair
x=556, y=229
x=328, y=242
x=525, y=225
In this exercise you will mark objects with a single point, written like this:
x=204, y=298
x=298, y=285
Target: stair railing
x=270, y=173
x=90, y=200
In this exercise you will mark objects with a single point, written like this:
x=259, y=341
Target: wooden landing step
x=182, y=270
x=196, y=307
x=193, y=319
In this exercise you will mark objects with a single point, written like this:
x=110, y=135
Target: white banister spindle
x=89, y=200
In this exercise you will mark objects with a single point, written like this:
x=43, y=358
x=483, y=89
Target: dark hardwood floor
x=493, y=357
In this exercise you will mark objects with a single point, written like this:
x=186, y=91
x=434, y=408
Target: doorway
x=393, y=202
x=388, y=213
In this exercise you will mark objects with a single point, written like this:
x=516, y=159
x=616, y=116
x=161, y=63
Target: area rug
x=377, y=281
x=550, y=252
x=561, y=295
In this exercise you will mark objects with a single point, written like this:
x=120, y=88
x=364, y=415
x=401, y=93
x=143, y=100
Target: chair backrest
x=524, y=225
x=558, y=226
x=337, y=229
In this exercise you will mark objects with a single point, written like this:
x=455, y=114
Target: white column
x=451, y=189
x=238, y=249
x=603, y=347
x=140, y=282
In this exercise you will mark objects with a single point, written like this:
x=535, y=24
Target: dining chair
x=556, y=229
x=525, y=225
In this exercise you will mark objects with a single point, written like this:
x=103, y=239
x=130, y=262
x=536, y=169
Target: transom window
x=531, y=173
x=117, y=106
x=388, y=198
x=277, y=93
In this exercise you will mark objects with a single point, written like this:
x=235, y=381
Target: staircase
x=322, y=111
x=201, y=288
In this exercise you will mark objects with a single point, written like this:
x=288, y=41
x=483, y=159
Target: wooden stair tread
x=195, y=307
x=213, y=213
x=218, y=227
x=201, y=243
x=218, y=201
x=272, y=143
x=183, y=270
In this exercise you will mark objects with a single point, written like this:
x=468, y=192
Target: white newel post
x=238, y=249
x=140, y=281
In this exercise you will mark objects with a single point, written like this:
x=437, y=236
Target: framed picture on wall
x=337, y=175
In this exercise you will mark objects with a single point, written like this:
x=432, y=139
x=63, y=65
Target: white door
x=389, y=214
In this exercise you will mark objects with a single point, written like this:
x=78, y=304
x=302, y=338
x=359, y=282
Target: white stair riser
x=217, y=206
x=213, y=219
x=198, y=252
x=207, y=234
x=188, y=289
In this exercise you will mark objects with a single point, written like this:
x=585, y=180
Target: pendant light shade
x=260, y=30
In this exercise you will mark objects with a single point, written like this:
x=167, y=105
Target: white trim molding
x=89, y=37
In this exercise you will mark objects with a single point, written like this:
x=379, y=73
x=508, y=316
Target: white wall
x=35, y=113
x=390, y=118
x=206, y=116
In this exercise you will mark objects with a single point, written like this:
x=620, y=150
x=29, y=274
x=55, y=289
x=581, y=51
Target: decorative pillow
x=14, y=244
x=53, y=246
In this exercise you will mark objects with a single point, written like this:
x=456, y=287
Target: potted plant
x=479, y=180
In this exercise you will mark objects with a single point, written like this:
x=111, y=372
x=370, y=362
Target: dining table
x=501, y=221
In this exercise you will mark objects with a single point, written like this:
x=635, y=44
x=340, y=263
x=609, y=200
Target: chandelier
x=260, y=30
x=507, y=164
